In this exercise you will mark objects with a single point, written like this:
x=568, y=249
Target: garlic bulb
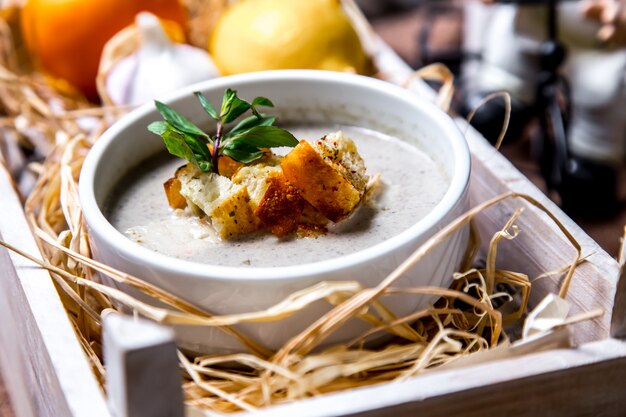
x=157, y=67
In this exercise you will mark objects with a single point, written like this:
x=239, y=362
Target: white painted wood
x=43, y=364
x=15, y=371
x=540, y=247
x=618, y=323
x=143, y=377
x=618, y=320
x=564, y=382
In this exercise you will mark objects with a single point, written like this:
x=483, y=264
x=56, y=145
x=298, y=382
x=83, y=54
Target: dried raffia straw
x=212, y=388
x=318, y=331
x=468, y=317
x=144, y=287
x=342, y=366
x=436, y=72
x=436, y=350
x=504, y=233
x=563, y=269
x=507, y=113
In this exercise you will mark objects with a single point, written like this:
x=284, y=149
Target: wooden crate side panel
x=581, y=391
x=589, y=380
x=13, y=366
x=60, y=381
x=618, y=321
x=26, y=366
x=541, y=247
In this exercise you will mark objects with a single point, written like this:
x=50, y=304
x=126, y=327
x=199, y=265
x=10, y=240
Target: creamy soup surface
x=412, y=185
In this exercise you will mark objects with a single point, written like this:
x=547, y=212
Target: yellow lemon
x=257, y=35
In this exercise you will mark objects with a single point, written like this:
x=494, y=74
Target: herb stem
x=216, y=147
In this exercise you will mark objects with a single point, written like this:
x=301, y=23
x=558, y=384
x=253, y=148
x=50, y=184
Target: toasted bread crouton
x=253, y=177
x=281, y=206
x=340, y=152
x=234, y=216
x=225, y=203
x=226, y=166
x=275, y=202
x=330, y=176
x=172, y=192
x=312, y=217
x=300, y=192
x=312, y=223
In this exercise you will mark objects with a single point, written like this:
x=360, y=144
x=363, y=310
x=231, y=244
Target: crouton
x=226, y=204
x=276, y=203
x=226, y=166
x=312, y=223
x=281, y=206
x=313, y=218
x=172, y=192
x=330, y=175
x=341, y=153
x=253, y=177
x=298, y=193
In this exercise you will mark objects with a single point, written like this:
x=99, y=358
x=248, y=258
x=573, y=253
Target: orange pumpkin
x=66, y=37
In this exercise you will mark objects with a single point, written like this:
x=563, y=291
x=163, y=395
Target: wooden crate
x=47, y=373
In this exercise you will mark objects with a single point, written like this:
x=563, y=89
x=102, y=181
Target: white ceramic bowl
x=299, y=95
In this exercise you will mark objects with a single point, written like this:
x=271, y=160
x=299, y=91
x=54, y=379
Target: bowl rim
x=107, y=233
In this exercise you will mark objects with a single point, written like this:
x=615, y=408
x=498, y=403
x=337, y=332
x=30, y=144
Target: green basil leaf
x=205, y=166
x=180, y=122
x=227, y=101
x=176, y=145
x=242, y=156
x=232, y=106
x=206, y=104
x=243, y=143
x=240, y=145
x=242, y=152
x=250, y=122
x=158, y=128
x=196, y=144
x=183, y=145
x=237, y=108
x=199, y=147
x=266, y=137
x=262, y=101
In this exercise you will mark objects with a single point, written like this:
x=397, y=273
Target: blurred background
x=563, y=63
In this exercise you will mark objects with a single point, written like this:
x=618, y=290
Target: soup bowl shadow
x=300, y=96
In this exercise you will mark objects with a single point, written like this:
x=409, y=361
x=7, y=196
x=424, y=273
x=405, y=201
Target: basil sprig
x=244, y=142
